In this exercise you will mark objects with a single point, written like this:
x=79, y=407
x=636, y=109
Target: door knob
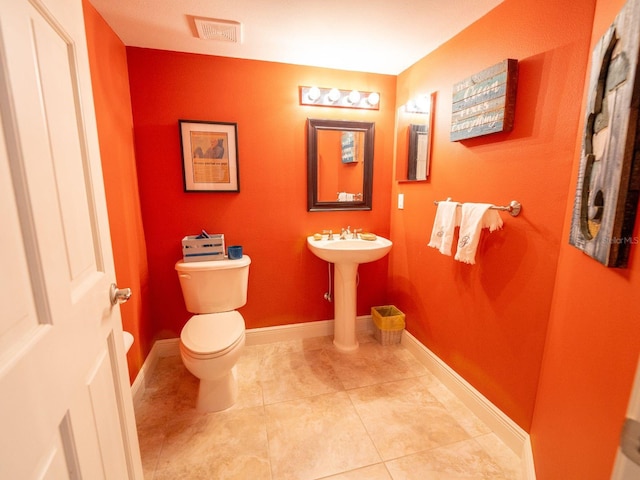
x=119, y=295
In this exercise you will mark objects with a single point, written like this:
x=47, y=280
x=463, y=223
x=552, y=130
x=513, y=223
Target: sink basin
x=346, y=255
x=349, y=251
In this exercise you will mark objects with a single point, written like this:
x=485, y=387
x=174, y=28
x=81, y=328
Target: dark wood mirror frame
x=313, y=126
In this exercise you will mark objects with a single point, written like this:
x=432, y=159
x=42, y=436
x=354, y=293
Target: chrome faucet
x=346, y=233
x=330, y=234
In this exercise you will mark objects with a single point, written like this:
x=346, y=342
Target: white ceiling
x=377, y=36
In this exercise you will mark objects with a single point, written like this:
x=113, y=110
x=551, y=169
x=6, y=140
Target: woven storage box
x=196, y=249
x=388, y=324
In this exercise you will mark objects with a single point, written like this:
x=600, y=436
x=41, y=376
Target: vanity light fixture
x=335, y=97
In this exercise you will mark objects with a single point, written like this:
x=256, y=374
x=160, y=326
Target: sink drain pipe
x=327, y=296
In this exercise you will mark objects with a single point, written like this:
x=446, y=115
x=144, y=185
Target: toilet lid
x=212, y=332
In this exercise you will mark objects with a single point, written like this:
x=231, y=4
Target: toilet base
x=219, y=394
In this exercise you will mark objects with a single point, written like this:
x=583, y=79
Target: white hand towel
x=475, y=217
x=444, y=225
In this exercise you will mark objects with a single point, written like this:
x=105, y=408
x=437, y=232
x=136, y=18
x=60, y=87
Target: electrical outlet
x=400, y=201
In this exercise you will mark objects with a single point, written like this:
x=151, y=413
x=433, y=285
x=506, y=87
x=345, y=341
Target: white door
x=65, y=403
x=627, y=465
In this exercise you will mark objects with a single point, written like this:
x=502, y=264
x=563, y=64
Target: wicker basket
x=388, y=324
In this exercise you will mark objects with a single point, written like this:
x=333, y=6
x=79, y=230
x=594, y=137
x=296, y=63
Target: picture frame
x=209, y=156
x=608, y=187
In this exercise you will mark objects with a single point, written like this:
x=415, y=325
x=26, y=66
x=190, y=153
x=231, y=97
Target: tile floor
x=306, y=411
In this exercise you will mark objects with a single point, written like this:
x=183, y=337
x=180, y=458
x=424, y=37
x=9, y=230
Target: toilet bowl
x=211, y=342
x=210, y=346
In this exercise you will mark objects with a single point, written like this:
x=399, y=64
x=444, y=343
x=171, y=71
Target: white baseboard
x=505, y=428
x=161, y=348
x=528, y=467
x=299, y=331
x=138, y=385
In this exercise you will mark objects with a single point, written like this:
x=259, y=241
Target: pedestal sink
x=346, y=255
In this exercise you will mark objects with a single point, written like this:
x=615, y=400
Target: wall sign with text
x=485, y=102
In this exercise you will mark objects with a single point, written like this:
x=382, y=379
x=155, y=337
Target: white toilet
x=212, y=340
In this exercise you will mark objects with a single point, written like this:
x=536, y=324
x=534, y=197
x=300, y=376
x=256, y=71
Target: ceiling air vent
x=213, y=29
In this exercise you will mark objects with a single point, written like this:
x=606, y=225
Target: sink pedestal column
x=345, y=306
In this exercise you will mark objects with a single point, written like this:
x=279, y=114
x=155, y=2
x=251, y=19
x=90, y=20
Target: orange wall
x=488, y=321
x=268, y=216
x=591, y=350
x=108, y=62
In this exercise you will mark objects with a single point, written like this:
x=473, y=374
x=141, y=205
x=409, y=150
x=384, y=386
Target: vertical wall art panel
x=606, y=198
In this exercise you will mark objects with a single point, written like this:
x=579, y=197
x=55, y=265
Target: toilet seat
x=213, y=334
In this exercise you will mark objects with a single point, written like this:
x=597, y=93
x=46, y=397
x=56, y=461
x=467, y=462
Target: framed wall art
x=608, y=189
x=485, y=102
x=209, y=156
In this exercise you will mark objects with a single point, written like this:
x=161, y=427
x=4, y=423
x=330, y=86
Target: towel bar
x=513, y=208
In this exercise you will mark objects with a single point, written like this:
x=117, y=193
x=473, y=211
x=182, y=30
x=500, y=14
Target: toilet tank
x=214, y=286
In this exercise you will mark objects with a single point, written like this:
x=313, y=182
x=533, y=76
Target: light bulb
x=354, y=97
x=410, y=106
x=373, y=98
x=422, y=104
x=334, y=95
x=313, y=94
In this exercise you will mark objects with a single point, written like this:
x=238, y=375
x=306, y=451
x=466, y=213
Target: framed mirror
x=339, y=165
x=414, y=124
x=418, y=159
